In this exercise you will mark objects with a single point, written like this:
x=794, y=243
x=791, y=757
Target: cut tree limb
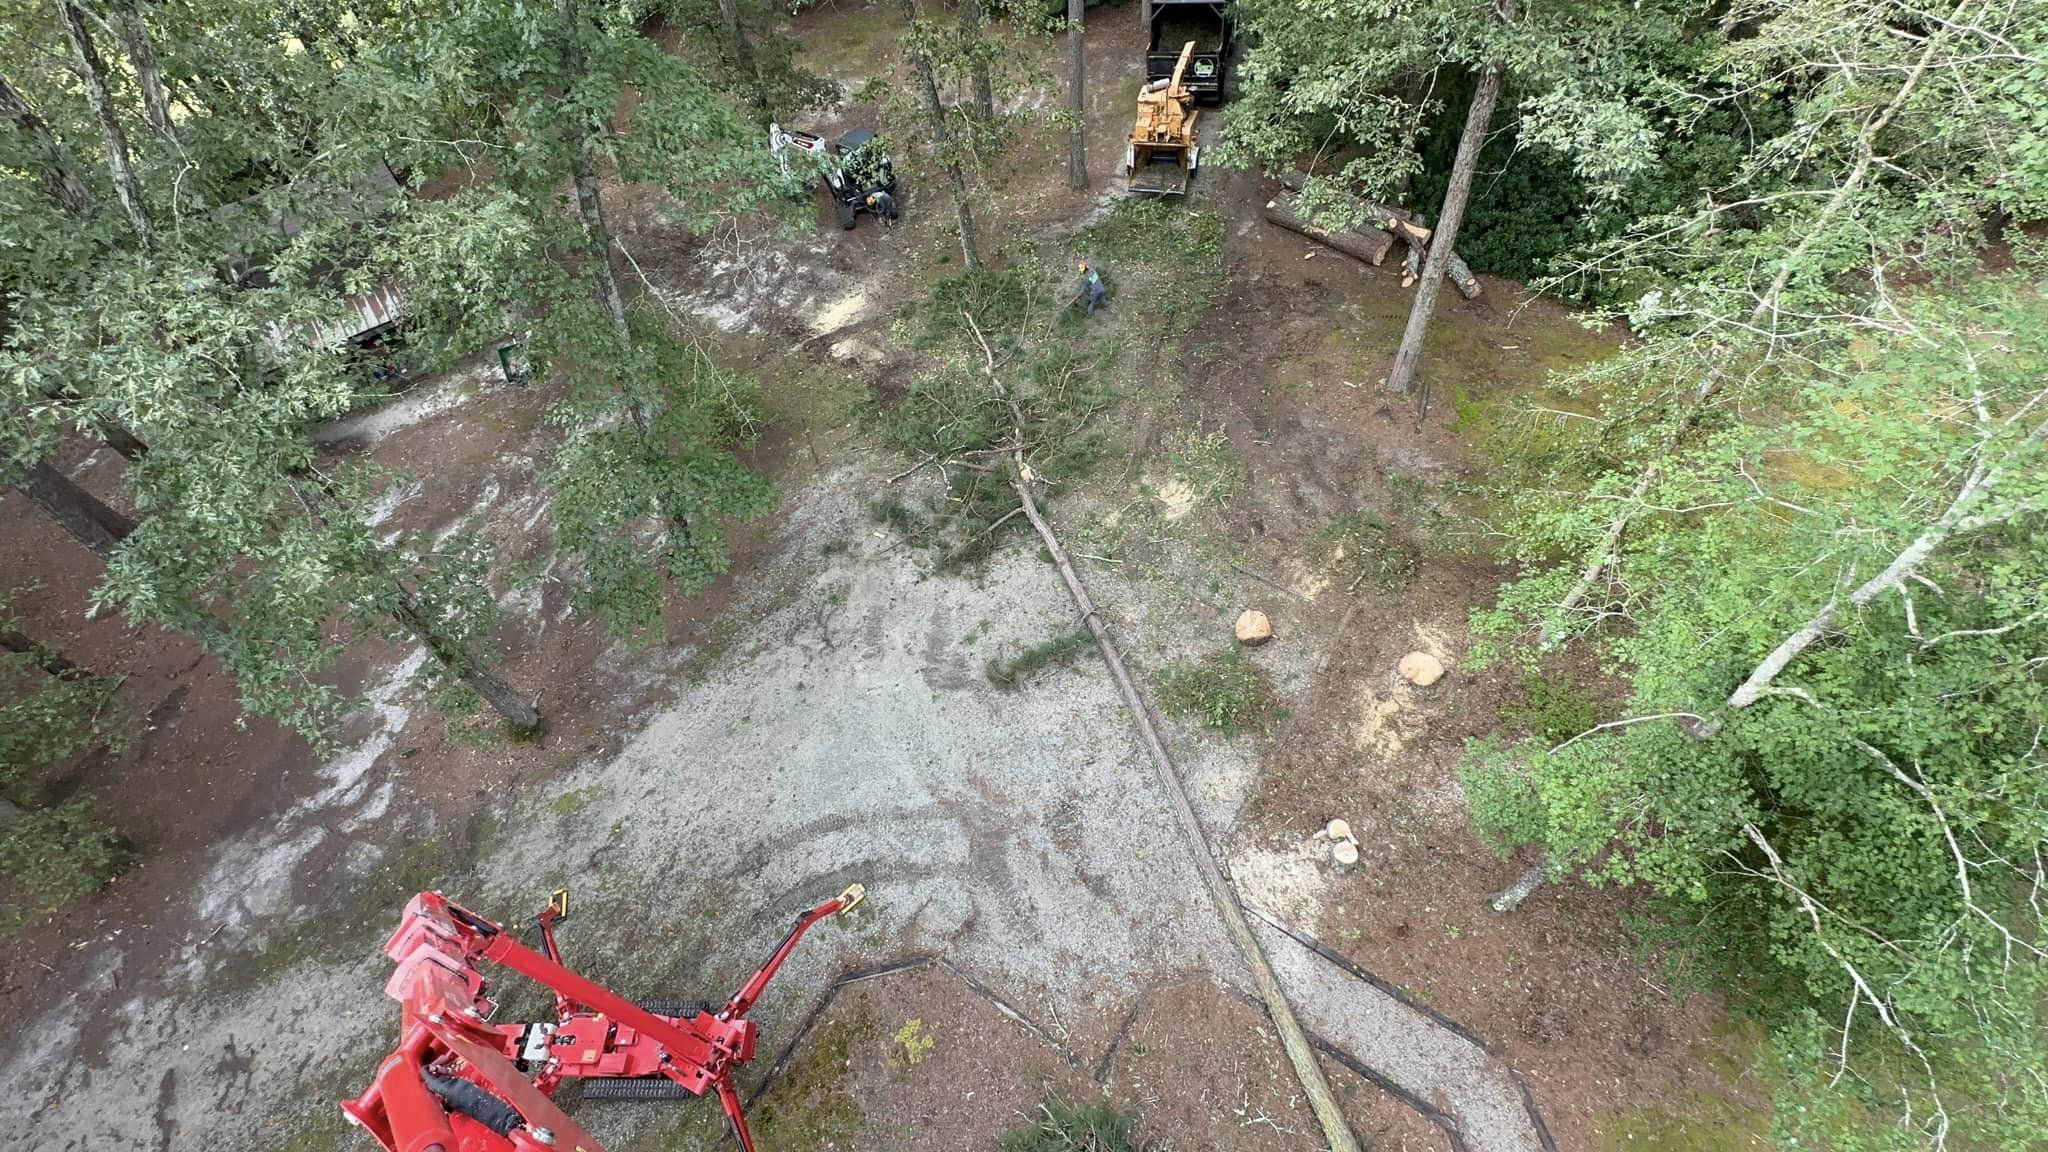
x=1962, y=515
x=1866, y=155
x=1609, y=551
x=1221, y=896
x=1416, y=237
x=1367, y=244
x=1510, y=898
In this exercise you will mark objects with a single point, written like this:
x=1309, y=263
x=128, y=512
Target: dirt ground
x=1556, y=986
x=925, y=1052
x=820, y=715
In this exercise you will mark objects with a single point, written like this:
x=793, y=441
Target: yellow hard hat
x=1084, y=265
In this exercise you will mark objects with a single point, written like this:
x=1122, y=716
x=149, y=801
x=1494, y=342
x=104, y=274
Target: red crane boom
x=459, y=1083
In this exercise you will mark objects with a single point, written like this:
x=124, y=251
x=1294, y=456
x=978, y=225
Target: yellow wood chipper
x=1163, y=151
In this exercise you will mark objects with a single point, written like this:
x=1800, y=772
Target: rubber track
x=638, y=1088
x=649, y=1088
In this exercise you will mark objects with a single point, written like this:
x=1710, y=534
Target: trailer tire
x=847, y=214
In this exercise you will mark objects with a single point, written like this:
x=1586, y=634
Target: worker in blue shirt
x=1091, y=283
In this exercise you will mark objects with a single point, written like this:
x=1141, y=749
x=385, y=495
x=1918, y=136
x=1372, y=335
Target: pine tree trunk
x=89, y=521
x=973, y=22
x=59, y=177
x=156, y=103
x=942, y=141
x=47, y=660
x=1077, y=95
x=518, y=711
x=1477, y=121
x=94, y=73
x=598, y=244
x=597, y=237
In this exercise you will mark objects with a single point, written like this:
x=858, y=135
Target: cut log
x=1402, y=226
x=1417, y=238
x=1367, y=244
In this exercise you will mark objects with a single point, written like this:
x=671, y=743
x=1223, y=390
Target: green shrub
x=1224, y=692
x=1064, y=1127
x=1554, y=710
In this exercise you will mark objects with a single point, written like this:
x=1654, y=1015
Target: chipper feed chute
x=457, y=1082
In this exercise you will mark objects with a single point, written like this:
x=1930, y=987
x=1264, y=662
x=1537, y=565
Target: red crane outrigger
x=459, y=1083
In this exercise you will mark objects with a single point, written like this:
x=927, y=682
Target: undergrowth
x=1223, y=691
x=61, y=852
x=1374, y=550
x=1209, y=465
x=1057, y=651
x=1064, y=1127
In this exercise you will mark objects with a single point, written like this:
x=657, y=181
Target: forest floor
x=821, y=715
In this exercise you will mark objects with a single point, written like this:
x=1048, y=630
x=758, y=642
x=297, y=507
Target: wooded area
x=1797, y=520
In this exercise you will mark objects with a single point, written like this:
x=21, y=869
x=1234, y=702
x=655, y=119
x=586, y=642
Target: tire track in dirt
x=1430, y=1060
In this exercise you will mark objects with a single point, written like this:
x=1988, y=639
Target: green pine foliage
x=1052, y=365
x=1225, y=692
x=1057, y=651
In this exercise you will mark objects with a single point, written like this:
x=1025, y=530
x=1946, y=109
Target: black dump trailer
x=1170, y=24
